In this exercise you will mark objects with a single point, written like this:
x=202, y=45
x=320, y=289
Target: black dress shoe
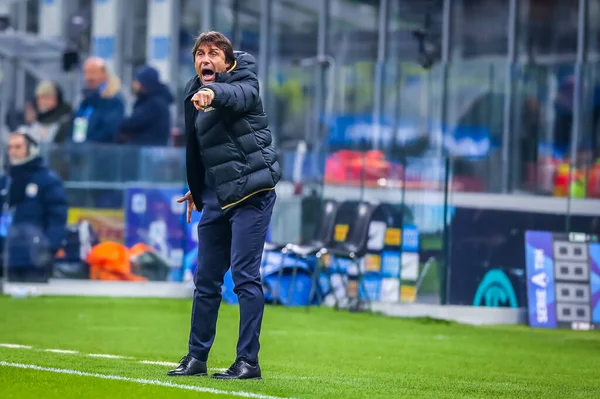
x=240, y=370
x=189, y=366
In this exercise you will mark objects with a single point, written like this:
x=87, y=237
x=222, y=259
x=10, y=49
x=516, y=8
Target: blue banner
x=563, y=280
x=595, y=281
x=153, y=217
x=540, y=279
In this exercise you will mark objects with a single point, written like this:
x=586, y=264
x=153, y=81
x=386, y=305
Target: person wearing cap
x=150, y=122
x=54, y=118
x=34, y=211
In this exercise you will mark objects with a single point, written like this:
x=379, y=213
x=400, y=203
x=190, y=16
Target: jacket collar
x=24, y=169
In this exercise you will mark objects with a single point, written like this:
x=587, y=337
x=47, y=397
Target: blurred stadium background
x=463, y=125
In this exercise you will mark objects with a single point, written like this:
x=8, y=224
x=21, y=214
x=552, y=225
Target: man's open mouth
x=208, y=74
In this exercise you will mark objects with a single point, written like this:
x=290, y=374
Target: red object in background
x=561, y=181
x=349, y=166
x=566, y=183
x=593, y=189
x=346, y=168
x=298, y=188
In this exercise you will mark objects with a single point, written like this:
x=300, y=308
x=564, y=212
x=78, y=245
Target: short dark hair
x=219, y=40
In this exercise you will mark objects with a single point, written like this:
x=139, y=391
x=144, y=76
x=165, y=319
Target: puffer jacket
x=38, y=201
x=104, y=109
x=230, y=142
x=150, y=122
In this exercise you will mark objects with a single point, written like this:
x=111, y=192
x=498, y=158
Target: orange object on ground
x=110, y=261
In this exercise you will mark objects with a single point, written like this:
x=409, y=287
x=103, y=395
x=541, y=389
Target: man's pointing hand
x=203, y=98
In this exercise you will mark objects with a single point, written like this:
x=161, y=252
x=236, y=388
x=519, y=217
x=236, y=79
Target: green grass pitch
x=320, y=354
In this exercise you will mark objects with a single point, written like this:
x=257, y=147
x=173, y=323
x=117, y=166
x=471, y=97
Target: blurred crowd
x=33, y=200
x=100, y=114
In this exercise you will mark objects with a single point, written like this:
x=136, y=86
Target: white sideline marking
x=66, y=351
x=102, y=355
x=15, y=346
x=105, y=356
x=139, y=381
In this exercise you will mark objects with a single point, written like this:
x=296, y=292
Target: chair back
x=356, y=217
x=358, y=234
x=324, y=232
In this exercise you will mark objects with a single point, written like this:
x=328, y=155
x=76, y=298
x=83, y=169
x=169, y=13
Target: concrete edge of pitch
x=472, y=315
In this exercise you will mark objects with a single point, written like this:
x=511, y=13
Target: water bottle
x=80, y=126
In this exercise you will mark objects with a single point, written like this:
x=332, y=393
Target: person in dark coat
x=102, y=109
x=55, y=117
x=150, y=122
x=232, y=170
x=34, y=211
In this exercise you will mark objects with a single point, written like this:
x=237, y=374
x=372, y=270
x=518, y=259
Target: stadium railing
x=441, y=204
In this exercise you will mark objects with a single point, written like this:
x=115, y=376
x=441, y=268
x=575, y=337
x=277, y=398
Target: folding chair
x=353, y=248
x=323, y=237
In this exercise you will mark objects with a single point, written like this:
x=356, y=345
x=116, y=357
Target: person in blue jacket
x=102, y=109
x=150, y=122
x=34, y=212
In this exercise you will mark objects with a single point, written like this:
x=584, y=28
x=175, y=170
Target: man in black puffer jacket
x=232, y=171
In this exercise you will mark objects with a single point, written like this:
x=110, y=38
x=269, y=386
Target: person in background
x=55, y=117
x=16, y=119
x=34, y=211
x=102, y=109
x=30, y=112
x=150, y=122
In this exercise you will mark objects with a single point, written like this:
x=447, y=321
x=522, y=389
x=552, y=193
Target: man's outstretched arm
x=238, y=96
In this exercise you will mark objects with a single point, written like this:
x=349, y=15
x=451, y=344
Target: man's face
x=46, y=102
x=17, y=148
x=94, y=75
x=209, y=60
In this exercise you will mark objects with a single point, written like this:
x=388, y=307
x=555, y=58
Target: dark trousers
x=233, y=238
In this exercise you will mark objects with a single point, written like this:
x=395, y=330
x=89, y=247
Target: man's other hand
x=203, y=98
x=190, y=204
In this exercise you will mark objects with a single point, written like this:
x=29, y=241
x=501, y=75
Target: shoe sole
x=232, y=378
x=188, y=375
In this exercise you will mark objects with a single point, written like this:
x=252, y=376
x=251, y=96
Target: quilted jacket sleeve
x=239, y=96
